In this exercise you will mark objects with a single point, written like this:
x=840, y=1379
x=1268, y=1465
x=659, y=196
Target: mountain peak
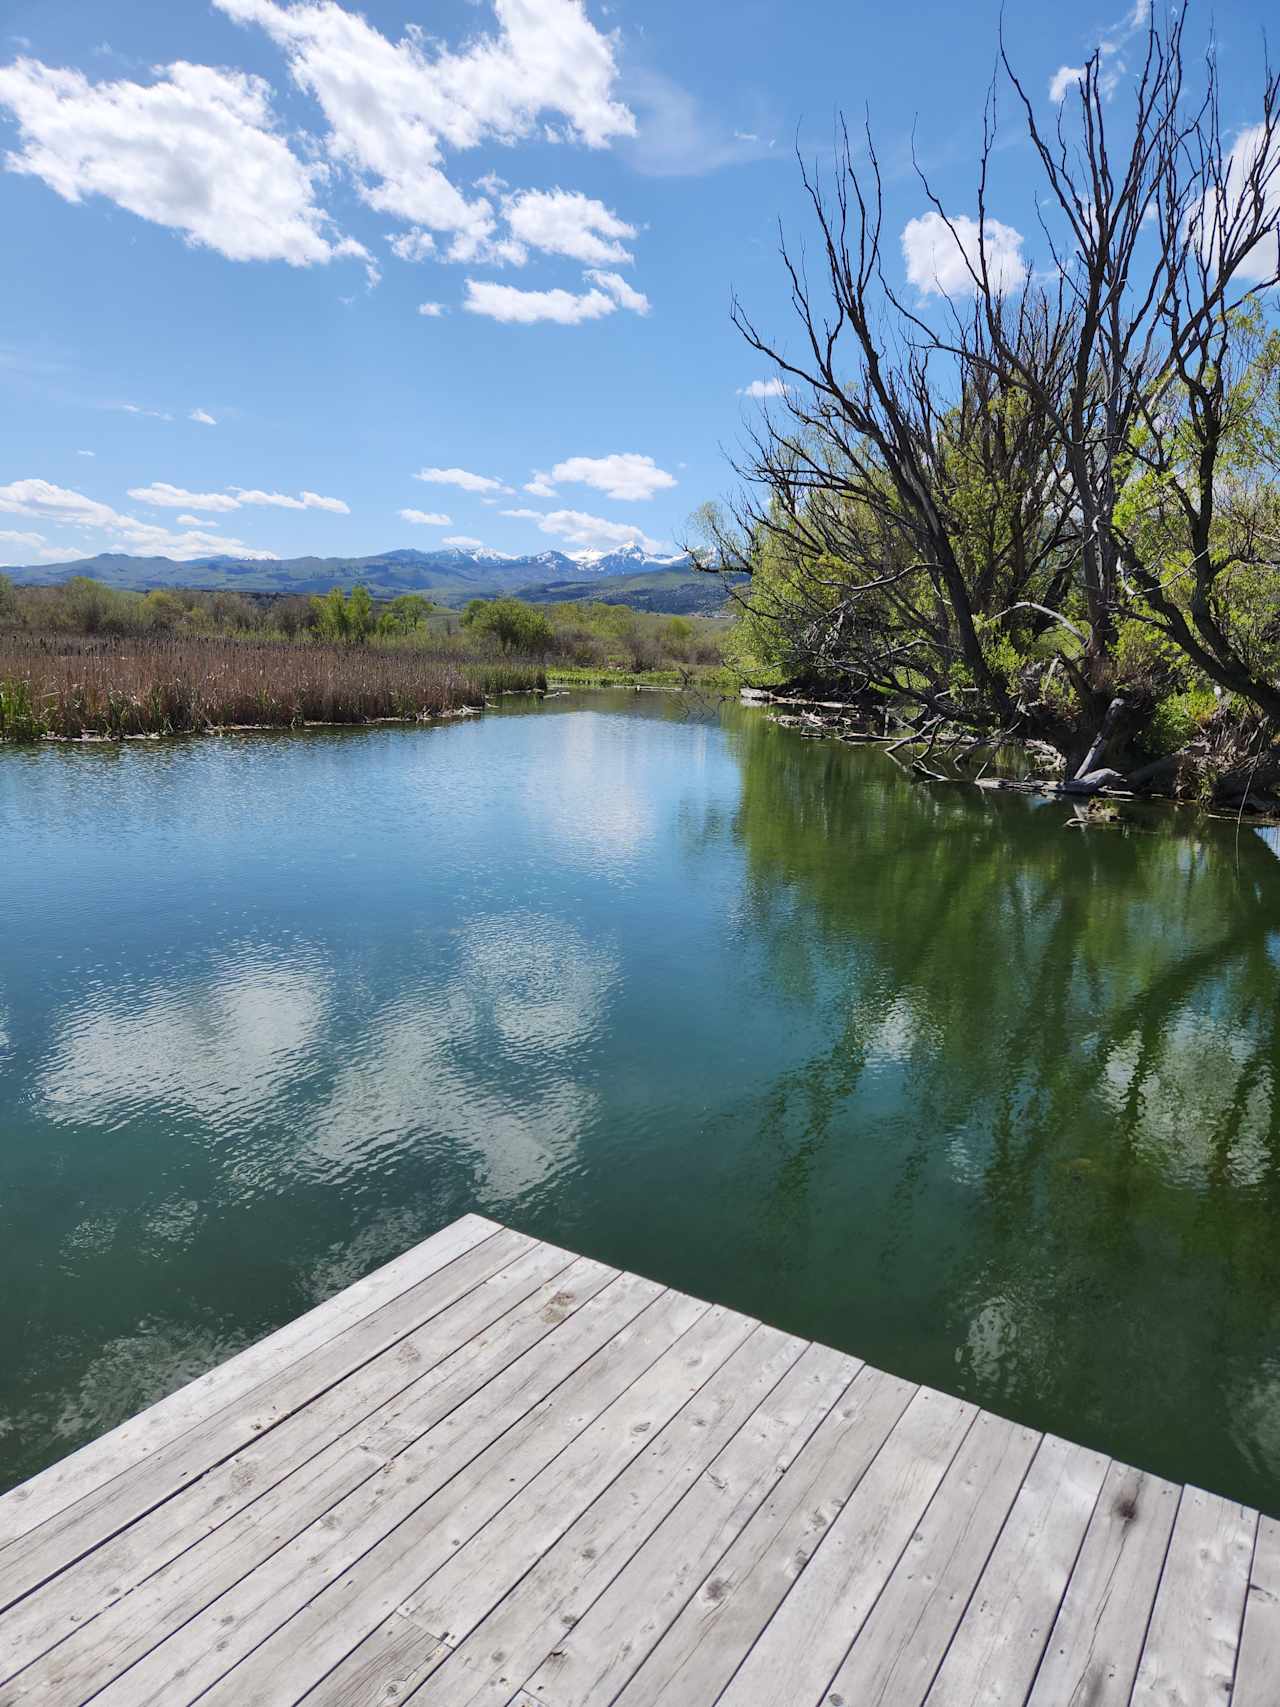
x=451, y=573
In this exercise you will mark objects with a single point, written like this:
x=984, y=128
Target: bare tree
x=943, y=507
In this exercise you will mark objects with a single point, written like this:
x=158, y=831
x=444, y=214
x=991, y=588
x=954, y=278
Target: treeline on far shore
x=82, y=659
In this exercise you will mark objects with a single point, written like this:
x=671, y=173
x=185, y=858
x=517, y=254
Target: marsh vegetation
x=87, y=660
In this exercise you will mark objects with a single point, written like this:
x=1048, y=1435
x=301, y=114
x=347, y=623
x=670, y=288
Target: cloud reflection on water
x=487, y=1058
x=215, y=1049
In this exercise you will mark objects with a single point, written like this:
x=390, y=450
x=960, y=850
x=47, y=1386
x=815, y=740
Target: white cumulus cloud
x=625, y=295
x=394, y=107
x=763, y=388
x=1247, y=156
x=412, y=245
x=625, y=476
x=55, y=504
x=511, y=304
x=464, y=542
x=941, y=259
x=565, y=222
x=516, y=307
x=427, y=518
x=195, y=150
x=285, y=501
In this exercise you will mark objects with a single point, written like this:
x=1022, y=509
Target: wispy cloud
x=1111, y=47
x=61, y=505
x=137, y=409
x=463, y=478
x=677, y=136
x=167, y=497
x=587, y=531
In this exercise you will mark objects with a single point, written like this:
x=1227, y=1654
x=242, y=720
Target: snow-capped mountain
x=628, y=559
x=451, y=573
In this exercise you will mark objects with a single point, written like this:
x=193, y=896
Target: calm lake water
x=914, y=1071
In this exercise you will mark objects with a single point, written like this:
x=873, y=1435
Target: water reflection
x=601, y=811
x=484, y=1059
x=214, y=1046
x=915, y=1071
x=1082, y=1031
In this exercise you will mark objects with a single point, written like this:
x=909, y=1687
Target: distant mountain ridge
x=450, y=575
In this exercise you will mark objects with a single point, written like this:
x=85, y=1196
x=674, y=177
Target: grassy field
x=707, y=676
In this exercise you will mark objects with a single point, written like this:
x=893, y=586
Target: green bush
x=516, y=627
x=1179, y=718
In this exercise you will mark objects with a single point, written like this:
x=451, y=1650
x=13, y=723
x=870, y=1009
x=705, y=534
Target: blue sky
x=269, y=262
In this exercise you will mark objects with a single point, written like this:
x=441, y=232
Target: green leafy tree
x=333, y=620
x=405, y=615
x=359, y=614
x=165, y=610
x=516, y=626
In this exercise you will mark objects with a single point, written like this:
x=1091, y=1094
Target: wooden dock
x=496, y=1472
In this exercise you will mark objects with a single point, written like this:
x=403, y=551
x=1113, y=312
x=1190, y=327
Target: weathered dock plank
x=1259, y=1664
x=227, y=1385
x=497, y=1473
x=1194, y=1633
x=1096, y=1643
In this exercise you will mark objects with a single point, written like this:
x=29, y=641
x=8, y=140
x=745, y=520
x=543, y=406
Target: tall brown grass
x=72, y=686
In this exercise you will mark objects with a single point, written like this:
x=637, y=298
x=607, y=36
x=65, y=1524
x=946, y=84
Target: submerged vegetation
x=87, y=660
x=1043, y=506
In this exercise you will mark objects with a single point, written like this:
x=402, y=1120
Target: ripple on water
x=490, y=1057
x=217, y=1046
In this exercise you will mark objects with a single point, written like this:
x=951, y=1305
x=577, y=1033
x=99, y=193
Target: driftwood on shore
x=1092, y=780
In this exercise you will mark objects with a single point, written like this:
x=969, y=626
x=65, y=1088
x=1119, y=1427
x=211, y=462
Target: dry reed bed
x=72, y=686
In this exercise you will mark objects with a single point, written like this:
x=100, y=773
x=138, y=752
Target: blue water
x=916, y=1072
